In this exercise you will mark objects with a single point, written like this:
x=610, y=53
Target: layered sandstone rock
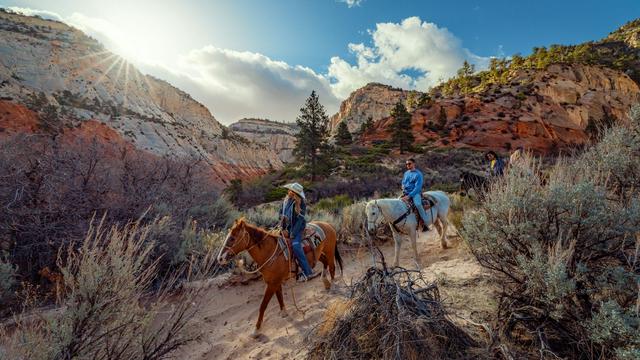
x=44, y=59
x=279, y=137
x=542, y=110
x=373, y=101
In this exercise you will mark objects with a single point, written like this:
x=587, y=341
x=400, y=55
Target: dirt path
x=229, y=317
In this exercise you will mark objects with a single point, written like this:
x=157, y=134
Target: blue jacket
x=412, y=182
x=295, y=222
x=496, y=168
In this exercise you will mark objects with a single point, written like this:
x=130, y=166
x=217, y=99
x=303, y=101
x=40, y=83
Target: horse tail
x=338, y=258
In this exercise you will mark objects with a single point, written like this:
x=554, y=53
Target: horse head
x=237, y=240
x=374, y=215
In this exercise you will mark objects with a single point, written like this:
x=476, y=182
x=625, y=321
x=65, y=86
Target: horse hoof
x=327, y=284
x=255, y=334
x=284, y=314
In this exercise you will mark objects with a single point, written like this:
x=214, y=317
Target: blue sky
x=283, y=49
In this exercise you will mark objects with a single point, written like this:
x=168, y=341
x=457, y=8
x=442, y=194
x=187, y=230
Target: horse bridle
x=245, y=236
x=229, y=249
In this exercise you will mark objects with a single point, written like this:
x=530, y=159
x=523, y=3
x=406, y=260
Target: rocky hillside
x=67, y=77
x=543, y=110
x=373, y=101
x=279, y=137
x=554, y=98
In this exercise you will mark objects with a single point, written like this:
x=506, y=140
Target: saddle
x=312, y=237
x=428, y=202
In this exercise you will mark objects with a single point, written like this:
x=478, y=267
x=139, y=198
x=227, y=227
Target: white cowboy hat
x=296, y=188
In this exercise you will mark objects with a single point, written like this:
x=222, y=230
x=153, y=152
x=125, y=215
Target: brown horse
x=263, y=247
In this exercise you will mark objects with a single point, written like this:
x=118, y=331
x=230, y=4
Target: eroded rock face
x=83, y=81
x=542, y=110
x=279, y=137
x=373, y=100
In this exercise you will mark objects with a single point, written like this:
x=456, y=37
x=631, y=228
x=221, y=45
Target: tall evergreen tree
x=312, y=147
x=343, y=137
x=401, y=134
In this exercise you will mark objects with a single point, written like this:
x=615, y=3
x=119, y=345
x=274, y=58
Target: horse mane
x=257, y=233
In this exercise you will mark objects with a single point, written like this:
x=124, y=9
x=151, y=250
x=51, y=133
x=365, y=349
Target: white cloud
x=412, y=54
x=235, y=84
x=351, y=3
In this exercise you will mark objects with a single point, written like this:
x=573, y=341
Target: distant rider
x=496, y=164
x=412, y=189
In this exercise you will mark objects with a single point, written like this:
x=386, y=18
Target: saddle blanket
x=313, y=236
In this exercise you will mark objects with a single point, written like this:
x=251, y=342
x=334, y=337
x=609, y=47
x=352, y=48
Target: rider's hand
x=285, y=234
x=405, y=198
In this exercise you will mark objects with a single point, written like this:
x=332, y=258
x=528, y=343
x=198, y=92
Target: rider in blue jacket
x=412, y=189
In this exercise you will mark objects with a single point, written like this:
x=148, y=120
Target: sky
x=257, y=58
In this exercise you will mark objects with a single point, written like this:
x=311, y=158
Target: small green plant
x=334, y=204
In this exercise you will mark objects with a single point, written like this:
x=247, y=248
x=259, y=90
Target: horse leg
x=283, y=310
x=443, y=234
x=396, y=239
x=268, y=293
x=438, y=225
x=414, y=245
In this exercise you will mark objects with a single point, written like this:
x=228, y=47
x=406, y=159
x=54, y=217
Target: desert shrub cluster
x=51, y=188
x=109, y=306
x=565, y=251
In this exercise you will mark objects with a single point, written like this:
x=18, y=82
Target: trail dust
x=230, y=313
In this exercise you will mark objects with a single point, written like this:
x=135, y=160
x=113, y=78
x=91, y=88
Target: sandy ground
x=229, y=316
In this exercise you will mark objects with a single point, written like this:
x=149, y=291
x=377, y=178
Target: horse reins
x=245, y=237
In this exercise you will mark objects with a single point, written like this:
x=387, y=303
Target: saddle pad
x=313, y=230
x=432, y=199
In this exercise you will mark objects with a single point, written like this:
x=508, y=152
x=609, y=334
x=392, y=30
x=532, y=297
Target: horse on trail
x=479, y=184
x=390, y=210
x=272, y=262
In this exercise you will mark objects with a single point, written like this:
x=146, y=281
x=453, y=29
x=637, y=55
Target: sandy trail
x=229, y=316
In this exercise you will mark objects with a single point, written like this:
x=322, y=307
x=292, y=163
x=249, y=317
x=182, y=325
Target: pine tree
x=312, y=148
x=464, y=77
x=234, y=190
x=401, y=135
x=343, y=137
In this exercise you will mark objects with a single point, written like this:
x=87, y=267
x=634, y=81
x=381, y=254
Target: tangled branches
x=391, y=314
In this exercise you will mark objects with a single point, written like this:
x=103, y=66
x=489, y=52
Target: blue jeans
x=296, y=244
x=418, y=201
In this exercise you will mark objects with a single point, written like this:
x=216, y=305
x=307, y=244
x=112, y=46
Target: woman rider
x=293, y=225
x=496, y=165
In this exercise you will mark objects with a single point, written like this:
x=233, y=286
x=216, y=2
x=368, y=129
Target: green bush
x=334, y=204
x=565, y=250
x=276, y=193
x=265, y=215
x=218, y=214
x=7, y=279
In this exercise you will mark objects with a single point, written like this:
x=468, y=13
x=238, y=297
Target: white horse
x=389, y=210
